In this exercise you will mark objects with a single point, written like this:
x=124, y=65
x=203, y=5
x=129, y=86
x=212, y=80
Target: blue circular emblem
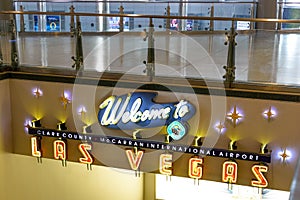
x=177, y=130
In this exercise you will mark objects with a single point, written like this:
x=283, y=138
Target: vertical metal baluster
x=121, y=22
x=78, y=59
x=168, y=14
x=150, y=63
x=212, y=14
x=13, y=42
x=72, y=20
x=22, y=23
x=230, y=68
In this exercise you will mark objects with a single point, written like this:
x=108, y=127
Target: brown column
x=6, y=5
x=266, y=9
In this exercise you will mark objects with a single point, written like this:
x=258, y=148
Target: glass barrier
x=148, y=49
x=61, y=23
x=7, y=42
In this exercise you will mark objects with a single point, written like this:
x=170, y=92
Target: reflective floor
x=262, y=56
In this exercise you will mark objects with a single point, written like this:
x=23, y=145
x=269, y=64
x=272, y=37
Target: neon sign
x=195, y=167
x=134, y=160
x=138, y=110
x=165, y=164
x=135, y=157
x=148, y=144
x=258, y=171
x=35, y=147
x=59, y=148
x=229, y=173
x=84, y=149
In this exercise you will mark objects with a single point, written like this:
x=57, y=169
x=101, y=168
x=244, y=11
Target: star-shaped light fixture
x=234, y=116
x=82, y=111
x=37, y=92
x=65, y=100
x=269, y=114
x=220, y=127
x=285, y=155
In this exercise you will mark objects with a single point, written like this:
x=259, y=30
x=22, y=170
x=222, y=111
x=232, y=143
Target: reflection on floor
x=262, y=56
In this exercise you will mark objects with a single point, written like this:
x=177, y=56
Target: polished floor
x=261, y=57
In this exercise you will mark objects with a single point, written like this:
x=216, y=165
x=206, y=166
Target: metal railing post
x=72, y=20
x=1, y=55
x=279, y=15
x=230, y=68
x=168, y=14
x=121, y=22
x=212, y=14
x=252, y=16
x=78, y=59
x=13, y=42
x=22, y=23
x=150, y=63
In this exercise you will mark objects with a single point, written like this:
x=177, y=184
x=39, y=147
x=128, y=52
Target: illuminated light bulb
x=232, y=145
x=198, y=141
x=87, y=129
x=36, y=123
x=264, y=149
x=61, y=126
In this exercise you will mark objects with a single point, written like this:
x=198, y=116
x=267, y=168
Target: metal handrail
x=144, y=1
x=154, y=16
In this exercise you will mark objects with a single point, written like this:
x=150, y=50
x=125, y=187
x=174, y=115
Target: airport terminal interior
x=149, y=99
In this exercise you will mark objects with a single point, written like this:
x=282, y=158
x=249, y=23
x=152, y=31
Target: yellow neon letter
x=229, y=172
x=165, y=164
x=35, y=151
x=195, y=170
x=59, y=150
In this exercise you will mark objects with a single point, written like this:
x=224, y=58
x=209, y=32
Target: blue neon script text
x=138, y=110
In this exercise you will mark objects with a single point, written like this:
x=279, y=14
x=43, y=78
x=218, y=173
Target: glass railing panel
x=138, y=8
x=30, y=21
x=96, y=24
x=261, y=56
x=268, y=57
x=176, y=55
x=89, y=23
x=235, y=10
x=58, y=23
x=290, y=11
x=5, y=42
x=46, y=51
x=198, y=9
